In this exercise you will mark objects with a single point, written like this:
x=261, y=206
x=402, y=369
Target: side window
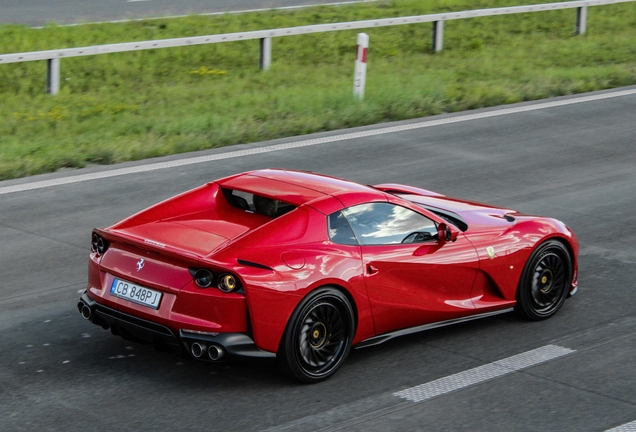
x=339, y=230
x=385, y=223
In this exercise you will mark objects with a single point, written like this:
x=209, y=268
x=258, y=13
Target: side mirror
x=447, y=232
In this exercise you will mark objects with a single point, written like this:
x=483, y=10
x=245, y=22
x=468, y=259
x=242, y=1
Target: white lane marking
x=482, y=373
x=627, y=427
x=364, y=411
x=215, y=13
x=306, y=143
x=135, y=1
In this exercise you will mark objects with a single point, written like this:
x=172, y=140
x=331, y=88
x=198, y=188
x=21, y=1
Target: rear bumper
x=203, y=346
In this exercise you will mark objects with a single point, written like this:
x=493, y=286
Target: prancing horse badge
x=491, y=252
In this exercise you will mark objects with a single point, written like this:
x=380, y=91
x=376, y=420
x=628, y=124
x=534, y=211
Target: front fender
x=503, y=255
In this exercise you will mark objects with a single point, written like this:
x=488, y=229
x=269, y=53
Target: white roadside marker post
x=581, y=20
x=360, y=73
x=53, y=76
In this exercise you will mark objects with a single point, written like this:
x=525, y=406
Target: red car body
x=472, y=265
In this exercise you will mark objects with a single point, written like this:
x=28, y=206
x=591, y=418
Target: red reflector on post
x=360, y=72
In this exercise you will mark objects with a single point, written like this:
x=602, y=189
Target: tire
x=545, y=281
x=318, y=336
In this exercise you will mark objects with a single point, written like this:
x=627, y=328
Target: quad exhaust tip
x=85, y=310
x=197, y=349
x=216, y=352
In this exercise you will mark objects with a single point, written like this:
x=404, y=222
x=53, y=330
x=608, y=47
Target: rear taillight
x=228, y=283
x=203, y=278
x=98, y=244
x=225, y=282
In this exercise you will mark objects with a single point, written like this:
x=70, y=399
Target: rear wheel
x=545, y=281
x=318, y=336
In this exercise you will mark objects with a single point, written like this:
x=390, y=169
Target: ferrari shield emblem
x=491, y=252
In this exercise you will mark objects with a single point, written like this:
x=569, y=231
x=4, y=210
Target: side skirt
x=376, y=340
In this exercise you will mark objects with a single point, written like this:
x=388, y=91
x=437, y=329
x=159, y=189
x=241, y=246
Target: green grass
x=128, y=106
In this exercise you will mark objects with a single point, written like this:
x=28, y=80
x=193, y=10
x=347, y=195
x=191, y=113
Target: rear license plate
x=135, y=293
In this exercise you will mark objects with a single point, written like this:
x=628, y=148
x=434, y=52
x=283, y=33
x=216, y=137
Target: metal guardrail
x=53, y=56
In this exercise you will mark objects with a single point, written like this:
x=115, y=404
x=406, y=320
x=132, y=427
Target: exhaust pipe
x=197, y=349
x=216, y=352
x=85, y=310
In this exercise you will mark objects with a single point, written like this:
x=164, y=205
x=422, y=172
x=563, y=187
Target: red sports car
x=302, y=267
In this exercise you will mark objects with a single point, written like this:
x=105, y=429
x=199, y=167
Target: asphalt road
x=40, y=12
x=575, y=162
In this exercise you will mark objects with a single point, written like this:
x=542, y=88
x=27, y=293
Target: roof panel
x=275, y=189
x=321, y=183
x=293, y=187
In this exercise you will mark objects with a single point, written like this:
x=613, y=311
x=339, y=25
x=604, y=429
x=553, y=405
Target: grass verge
x=129, y=106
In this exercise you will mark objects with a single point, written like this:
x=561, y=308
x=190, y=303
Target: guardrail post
x=360, y=72
x=53, y=76
x=266, y=53
x=438, y=35
x=581, y=20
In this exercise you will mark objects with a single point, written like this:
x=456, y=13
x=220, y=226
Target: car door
x=412, y=277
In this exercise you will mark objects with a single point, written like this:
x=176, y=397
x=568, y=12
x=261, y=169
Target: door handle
x=371, y=270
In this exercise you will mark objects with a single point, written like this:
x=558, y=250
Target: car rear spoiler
x=126, y=241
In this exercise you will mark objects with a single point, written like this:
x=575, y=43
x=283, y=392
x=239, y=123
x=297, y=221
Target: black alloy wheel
x=318, y=337
x=545, y=281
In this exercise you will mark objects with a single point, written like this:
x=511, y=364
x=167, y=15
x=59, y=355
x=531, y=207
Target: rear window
x=257, y=203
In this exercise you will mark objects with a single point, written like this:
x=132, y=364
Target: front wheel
x=318, y=336
x=545, y=281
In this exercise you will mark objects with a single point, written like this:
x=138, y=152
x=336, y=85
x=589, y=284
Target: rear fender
x=273, y=295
